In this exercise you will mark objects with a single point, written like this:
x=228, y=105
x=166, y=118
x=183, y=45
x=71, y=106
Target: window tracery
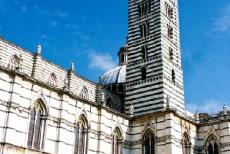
x=117, y=141
x=148, y=144
x=186, y=145
x=212, y=146
x=81, y=136
x=37, y=126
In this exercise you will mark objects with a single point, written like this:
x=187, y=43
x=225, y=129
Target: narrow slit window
x=170, y=32
x=173, y=76
x=144, y=30
x=143, y=73
x=144, y=52
x=171, y=53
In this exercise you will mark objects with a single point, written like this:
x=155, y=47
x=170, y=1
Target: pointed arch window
x=81, y=136
x=186, y=145
x=117, y=141
x=52, y=80
x=169, y=11
x=148, y=144
x=212, y=146
x=14, y=63
x=84, y=93
x=37, y=123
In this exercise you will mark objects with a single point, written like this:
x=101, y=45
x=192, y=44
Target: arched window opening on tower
x=37, y=123
x=144, y=52
x=144, y=29
x=186, y=145
x=170, y=32
x=14, y=63
x=171, y=53
x=212, y=146
x=122, y=58
x=143, y=73
x=148, y=143
x=169, y=11
x=114, y=88
x=173, y=76
x=81, y=136
x=144, y=8
x=117, y=141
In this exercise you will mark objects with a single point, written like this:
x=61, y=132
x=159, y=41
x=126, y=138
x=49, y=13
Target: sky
x=90, y=33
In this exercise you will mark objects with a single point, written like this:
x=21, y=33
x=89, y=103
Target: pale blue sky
x=91, y=32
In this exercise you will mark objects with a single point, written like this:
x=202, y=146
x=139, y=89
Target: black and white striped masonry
x=154, y=73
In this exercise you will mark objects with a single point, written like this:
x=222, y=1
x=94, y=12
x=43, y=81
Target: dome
x=114, y=76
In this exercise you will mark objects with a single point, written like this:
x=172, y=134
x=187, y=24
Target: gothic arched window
x=52, y=81
x=169, y=11
x=14, y=63
x=148, y=144
x=144, y=8
x=186, y=145
x=116, y=141
x=84, y=93
x=81, y=136
x=36, y=131
x=212, y=146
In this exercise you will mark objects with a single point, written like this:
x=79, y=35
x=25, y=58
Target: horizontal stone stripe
x=145, y=88
x=154, y=91
x=159, y=75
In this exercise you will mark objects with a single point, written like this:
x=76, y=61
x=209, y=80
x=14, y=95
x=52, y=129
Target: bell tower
x=154, y=73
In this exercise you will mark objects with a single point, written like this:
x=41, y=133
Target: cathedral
x=136, y=108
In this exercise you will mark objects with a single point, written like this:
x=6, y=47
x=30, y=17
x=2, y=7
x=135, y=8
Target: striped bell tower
x=154, y=73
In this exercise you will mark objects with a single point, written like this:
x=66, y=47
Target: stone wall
x=20, y=88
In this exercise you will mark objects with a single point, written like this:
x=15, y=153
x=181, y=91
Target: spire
x=39, y=49
x=72, y=66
